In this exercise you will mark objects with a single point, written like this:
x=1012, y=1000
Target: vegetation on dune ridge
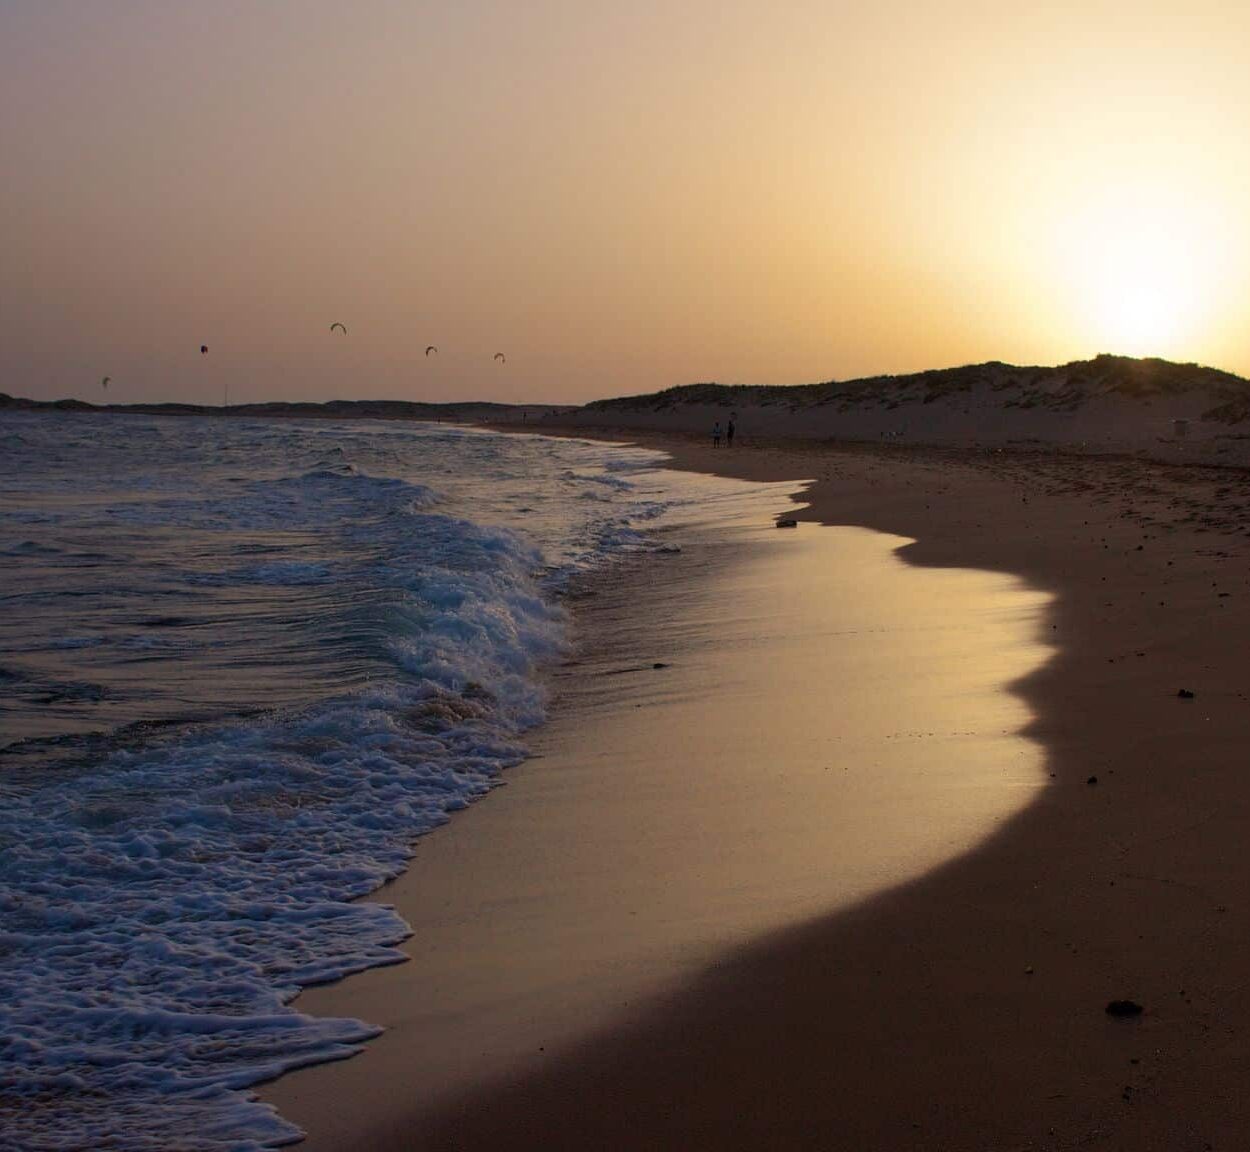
x=1065, y=387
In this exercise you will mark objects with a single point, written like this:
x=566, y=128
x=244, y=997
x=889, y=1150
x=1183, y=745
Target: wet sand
x=963, y=1005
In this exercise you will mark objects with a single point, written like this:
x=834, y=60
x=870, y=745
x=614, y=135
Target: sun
x=1140, y=303
x=1142, y=266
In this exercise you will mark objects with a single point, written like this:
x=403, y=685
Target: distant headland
x=474, y=411
x=1108, y=402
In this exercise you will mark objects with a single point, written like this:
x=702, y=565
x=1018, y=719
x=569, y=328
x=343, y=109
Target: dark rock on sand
x=1185, y=694
x=1124, y=1008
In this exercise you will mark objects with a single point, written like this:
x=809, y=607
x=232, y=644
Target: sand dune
x=1108, y=404
x=1181, y=412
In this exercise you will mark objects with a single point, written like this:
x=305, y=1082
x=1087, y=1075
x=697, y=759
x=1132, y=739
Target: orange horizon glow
x=621, y=199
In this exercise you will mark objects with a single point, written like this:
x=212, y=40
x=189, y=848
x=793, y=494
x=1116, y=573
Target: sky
x=620, y=197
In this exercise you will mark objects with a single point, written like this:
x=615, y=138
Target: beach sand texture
x=960, y=1008
x=788, y=757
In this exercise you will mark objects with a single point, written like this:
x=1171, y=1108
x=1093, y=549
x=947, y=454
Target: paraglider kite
x=430, y=349
x=501, y=356
x=203, y=349
x=335, y=325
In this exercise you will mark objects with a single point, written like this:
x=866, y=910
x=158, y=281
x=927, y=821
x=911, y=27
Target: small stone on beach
x=787, y=522
x=1185, y=694
x=1124, y=1008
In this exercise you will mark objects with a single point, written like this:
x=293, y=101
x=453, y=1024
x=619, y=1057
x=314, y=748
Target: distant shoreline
x=1063, y=386
x=476, y=411
x=1186, y=413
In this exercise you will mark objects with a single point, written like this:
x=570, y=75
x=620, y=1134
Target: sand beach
x=957, y=1000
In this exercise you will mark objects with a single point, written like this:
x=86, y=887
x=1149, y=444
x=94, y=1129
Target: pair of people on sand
x=729, y=437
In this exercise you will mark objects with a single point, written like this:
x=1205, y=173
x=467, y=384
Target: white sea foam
x=162, y=901
x=161, y=907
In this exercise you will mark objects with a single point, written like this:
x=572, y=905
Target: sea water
x=243, y=664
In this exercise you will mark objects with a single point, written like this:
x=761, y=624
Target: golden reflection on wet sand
x=830, y=722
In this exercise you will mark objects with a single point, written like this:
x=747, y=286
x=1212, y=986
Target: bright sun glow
x=1144, y=268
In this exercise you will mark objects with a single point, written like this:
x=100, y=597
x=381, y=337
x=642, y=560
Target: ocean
x=243, y=665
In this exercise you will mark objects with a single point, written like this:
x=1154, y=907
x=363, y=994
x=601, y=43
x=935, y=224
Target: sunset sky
x=620, y=197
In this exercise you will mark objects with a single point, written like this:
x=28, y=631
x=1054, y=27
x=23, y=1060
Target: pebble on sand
x=1124, y=1008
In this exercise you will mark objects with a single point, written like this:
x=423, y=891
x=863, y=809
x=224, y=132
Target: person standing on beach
x=729, y=433
x=716, y=434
